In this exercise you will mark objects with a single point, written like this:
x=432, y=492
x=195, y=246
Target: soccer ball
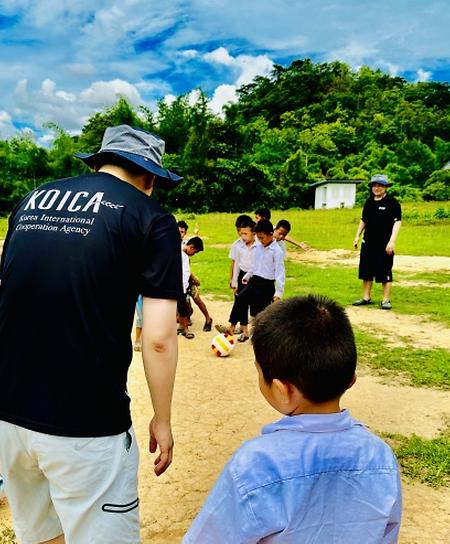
x=223, y=344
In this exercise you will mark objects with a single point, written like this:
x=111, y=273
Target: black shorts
x=375, y=263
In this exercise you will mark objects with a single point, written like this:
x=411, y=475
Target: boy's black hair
x=307, y=341
x=196, y=242
x=265, y=226
x=182, y=225
x=284, y=224
x=264, y=213
x=243, y=221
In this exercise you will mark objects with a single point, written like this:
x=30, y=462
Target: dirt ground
x=217, y=405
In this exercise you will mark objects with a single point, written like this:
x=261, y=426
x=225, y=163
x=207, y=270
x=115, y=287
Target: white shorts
x=85, y=488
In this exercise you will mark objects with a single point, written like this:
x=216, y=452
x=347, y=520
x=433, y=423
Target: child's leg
x=204, y=310
x=261, y=295
x=183, y=317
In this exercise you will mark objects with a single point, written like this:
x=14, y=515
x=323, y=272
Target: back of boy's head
x=196, y=242
x=243, y=221
x=264, y=213
x=284, y=224
x=265, y=226
x=183, y=225
x=307, y=341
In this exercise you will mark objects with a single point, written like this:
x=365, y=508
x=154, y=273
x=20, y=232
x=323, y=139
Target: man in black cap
x=77, y=253
x=381, y=220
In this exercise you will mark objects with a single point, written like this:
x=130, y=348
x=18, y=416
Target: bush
x=437, y=186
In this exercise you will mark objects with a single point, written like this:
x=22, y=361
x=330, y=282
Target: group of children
x=257, y=273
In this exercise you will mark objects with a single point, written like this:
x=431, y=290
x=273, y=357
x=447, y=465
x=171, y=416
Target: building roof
x=337, y=181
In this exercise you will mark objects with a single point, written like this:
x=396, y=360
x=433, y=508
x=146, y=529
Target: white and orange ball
x=223, y=344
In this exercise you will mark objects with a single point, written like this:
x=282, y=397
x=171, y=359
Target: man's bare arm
x=391, y=244
x=160, y=355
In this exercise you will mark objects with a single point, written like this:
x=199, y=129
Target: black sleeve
x=161, y=269
x=396, y=210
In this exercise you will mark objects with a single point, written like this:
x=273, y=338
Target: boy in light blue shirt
x=317, y=475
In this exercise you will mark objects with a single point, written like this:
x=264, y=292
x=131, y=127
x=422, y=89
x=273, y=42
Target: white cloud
x=193, y=97
x=392, y=69
x=47, y=139
x=354, y=54
x=220, y=56
x=189, y=53
x=246, y=66
x=253, y=66
x=7, y=129
x=224, y=94
x=69, y=110
x=103, y=93
x=423, y=75
x=245, y=69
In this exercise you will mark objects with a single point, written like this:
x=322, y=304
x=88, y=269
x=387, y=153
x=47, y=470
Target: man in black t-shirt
x=77, y=254
x=380, y=221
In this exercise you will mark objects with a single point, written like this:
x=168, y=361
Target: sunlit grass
x=425, y=460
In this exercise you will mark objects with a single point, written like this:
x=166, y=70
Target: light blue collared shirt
x=307, y=479
x=268, y=263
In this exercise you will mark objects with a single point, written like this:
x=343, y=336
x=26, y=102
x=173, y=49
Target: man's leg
x=367, y=289
x=387, y=291
x=386, y=302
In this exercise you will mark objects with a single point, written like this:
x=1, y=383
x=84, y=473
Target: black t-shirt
x=379, y=217
x=77, y=253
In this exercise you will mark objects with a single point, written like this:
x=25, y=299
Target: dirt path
x=217, y=405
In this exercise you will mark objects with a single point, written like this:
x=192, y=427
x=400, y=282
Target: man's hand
x=355, y=242
x=390, y=248
x=161, y=435
x=276, y=299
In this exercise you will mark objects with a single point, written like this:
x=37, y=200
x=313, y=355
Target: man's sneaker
x=362, y=302
x=386, y=305
x=2, y=491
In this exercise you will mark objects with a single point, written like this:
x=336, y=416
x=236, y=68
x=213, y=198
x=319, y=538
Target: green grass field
x=421, y=234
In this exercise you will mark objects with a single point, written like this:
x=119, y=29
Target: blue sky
x=63, y=60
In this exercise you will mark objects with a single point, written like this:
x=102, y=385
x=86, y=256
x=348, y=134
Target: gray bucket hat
x=381, y=179
x=137, y=146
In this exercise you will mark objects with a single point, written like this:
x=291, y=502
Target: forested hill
x=304, y=123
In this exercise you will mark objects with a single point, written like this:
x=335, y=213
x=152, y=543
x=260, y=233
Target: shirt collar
x=314, y=423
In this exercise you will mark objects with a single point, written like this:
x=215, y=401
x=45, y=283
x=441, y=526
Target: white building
x=335, y=193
